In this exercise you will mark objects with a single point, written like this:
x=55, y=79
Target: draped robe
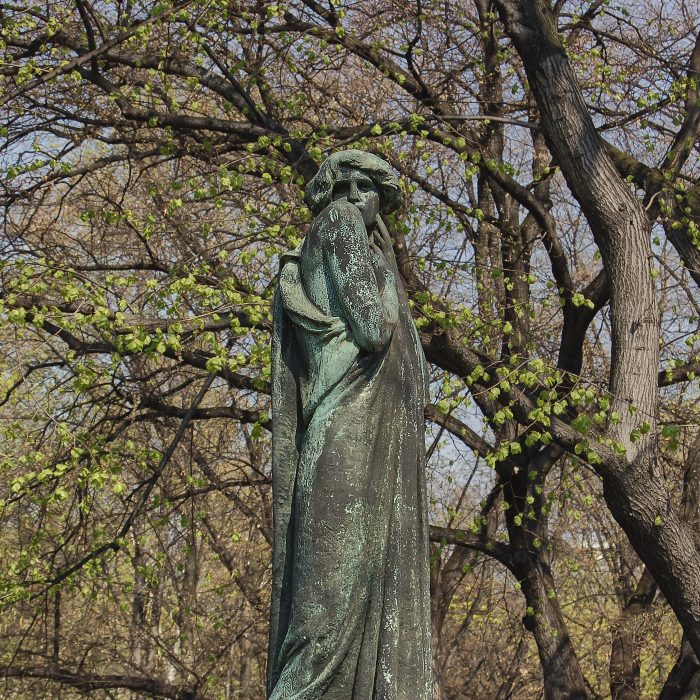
x=350, y=615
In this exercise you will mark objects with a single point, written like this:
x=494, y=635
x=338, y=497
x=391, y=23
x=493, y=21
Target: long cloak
x=350, y=615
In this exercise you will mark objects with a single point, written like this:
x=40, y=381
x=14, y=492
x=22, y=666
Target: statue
x=350, y=614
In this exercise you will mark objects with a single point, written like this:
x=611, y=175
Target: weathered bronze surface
x=350, y=602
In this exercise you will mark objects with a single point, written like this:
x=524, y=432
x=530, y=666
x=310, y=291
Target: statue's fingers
x=383, y=231
x=386, y=238
x=386, y=246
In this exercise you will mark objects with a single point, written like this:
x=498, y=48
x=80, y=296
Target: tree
x=155, y=155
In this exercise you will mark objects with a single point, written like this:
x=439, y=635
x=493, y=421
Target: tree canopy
x=154, y=156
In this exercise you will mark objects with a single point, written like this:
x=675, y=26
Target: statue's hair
x=319, y=189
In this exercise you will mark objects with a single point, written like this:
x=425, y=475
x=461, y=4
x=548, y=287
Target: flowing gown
x=350, y=615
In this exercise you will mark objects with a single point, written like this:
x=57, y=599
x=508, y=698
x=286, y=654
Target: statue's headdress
x=319, y=189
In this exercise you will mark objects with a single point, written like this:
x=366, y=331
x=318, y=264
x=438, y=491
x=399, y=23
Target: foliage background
x=154, y=156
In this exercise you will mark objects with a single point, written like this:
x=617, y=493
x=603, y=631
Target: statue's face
x=359, y=189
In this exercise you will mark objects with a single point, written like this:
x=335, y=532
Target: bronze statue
x=350, y=602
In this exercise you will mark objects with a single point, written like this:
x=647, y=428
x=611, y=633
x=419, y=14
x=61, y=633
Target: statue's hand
x=340, y=210
x=381, y=242
x=378, y=258
x=383, y=262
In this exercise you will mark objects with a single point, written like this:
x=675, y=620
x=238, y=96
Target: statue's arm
x=363, y=282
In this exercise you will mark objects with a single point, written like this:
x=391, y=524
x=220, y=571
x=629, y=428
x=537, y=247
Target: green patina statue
x=350, y=612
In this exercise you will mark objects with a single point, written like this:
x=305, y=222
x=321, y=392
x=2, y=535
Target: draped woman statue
x=350, y=614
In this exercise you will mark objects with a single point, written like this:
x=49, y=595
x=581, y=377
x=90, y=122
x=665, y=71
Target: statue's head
x=362, y=178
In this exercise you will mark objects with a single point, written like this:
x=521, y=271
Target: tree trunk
x=634, y=490
x=505, y=690
x=138, y=609
x=624, y=653
x=684, y=679
x=56, y=636
x=526, y=523
x=245, y=676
